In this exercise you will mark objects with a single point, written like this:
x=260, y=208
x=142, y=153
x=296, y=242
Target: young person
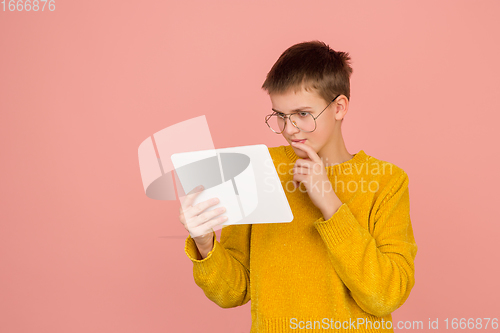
x=346, y=261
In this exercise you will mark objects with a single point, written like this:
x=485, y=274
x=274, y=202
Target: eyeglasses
x=303, y=120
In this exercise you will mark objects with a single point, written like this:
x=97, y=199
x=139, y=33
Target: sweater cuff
x=192, y=252
x=206, y=269
x=337, y=228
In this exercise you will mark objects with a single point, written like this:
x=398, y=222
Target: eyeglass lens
x=303, y=120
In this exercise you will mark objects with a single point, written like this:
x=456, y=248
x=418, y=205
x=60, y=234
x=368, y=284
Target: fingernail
x=200, y=187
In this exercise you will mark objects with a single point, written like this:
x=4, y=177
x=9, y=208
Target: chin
x=300, y=153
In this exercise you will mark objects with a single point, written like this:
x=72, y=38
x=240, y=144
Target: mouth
x=301, y=141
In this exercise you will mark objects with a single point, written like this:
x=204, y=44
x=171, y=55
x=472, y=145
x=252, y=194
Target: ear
x=340, y=105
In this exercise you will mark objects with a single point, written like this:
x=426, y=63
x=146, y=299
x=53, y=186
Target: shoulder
x=390, y=177
x=384, y=169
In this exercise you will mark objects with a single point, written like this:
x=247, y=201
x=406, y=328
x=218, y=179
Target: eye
x=281, y=115
x=303, y=114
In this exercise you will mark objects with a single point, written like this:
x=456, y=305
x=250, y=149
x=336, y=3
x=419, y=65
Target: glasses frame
x=287, y=116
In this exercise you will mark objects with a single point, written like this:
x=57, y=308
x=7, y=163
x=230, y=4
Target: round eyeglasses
x=302, y=120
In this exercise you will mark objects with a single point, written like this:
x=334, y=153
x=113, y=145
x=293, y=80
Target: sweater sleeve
x=377, y=266
x=224, y=275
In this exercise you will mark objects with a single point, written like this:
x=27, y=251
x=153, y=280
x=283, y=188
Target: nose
x=289, y=128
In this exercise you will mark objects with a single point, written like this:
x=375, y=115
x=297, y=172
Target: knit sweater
x=344, y=274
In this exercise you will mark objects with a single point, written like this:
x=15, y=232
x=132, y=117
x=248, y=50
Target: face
x=327, y=125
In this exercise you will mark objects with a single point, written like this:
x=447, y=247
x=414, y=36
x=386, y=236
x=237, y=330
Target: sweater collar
x=359, y=158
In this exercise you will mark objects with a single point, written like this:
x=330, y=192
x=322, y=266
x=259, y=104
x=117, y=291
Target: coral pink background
x=82, y=249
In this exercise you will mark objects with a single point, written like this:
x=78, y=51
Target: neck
x=335, y=152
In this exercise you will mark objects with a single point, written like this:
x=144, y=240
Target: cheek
x=318, y=136
x=324, y=132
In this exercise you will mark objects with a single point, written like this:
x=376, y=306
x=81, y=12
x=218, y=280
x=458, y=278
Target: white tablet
x=243, y=178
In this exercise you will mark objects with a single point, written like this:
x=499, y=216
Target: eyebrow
x=296, y=110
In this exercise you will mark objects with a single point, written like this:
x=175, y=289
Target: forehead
x=291, y=100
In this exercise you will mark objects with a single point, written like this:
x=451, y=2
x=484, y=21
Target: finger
x=207, y=226
x=310, y=152
x=207, y=216
x=196, y=221
x=197, y=209
x=309, y=167
x=216, y=221
x=189, y=198
x=297, y=184
x=306, y=167
x=297, y=179
x=304, y=162
x=301, y=170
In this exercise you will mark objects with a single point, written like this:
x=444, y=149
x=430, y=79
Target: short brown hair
x=311, y=64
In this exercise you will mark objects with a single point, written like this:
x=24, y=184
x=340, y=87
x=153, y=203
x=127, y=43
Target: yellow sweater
x=345, y=274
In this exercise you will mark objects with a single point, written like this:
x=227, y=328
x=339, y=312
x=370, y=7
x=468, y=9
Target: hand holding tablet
x=197, y=221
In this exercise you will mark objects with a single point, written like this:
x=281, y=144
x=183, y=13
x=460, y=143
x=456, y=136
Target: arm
x=224, y=274
x=376, y=266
